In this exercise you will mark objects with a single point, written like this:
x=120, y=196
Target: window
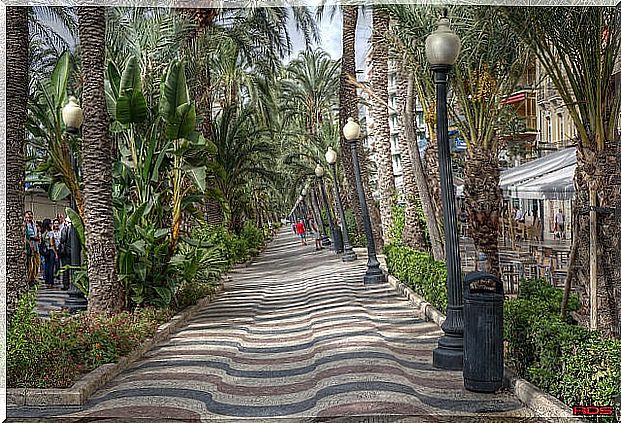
x=549, y=126
x=561, y=128
x=394, y=142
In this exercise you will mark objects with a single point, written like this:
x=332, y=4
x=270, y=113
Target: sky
x=330, y=33
x=331, y=37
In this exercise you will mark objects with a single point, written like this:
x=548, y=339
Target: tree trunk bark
x=432, y=167
x=349, y=108
x=381, y=127
x=413, y=233
x=600, y=169
x=105, y=291
x=483, y=201
x=17, y=97
x=437, y=243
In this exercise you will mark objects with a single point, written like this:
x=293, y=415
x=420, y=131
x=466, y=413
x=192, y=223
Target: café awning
x=556, y=185
x=541, y=178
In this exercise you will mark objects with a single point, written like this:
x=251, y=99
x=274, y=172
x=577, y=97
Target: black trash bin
x=483, y=336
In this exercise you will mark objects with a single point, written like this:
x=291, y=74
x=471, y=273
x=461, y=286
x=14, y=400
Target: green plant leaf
x=174, y=91
x=58, y=191
x=138, y=246
x=183, y=123
x=59, y=79
x=161, y=233
x=164, y=293
x=77, y=223
x=198, y=176
x=130, y=80
x=131, y=107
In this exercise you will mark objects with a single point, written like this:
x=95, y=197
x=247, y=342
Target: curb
x=543, y=404
x=83, y=388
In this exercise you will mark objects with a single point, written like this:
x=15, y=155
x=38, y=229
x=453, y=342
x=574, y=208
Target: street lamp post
x=348, y=252
x=325, y=240
x=373, y=274
x=73, y=118
x=319, y=172
x=442, y=48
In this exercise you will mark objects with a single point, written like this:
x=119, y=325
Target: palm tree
x=579, y=47
x=491, y=62
x=17, y=97
x=348, y=107
x=105, y=293
x=413, y=233
x=381, y=128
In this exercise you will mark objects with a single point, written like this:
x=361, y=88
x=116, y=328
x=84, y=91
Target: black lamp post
x=442, y=48
x=73, y=118
x=319, y=172
x=373, y=274
x=348, y=253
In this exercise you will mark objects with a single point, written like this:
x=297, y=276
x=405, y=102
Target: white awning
x=557, y=185
x=549, y=177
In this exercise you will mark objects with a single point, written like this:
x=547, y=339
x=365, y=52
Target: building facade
x=393, y=121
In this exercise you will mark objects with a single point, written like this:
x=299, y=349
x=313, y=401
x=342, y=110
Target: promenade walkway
x=297, y=335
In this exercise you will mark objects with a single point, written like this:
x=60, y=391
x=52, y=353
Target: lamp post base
x=450, y=353
x=76, y=301
x=374, y=276
x=349, y=256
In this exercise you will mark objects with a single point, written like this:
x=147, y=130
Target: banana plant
x=179, y=113
x=46, y=133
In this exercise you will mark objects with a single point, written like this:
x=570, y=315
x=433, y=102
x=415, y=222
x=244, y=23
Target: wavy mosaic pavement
x=295, y=335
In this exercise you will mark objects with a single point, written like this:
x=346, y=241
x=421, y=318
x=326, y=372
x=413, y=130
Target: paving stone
x=295, y=335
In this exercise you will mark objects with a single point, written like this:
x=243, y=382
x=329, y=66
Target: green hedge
x=574, y=364
x=420, y=272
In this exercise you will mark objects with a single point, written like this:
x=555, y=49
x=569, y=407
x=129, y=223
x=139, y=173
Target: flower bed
x=54, y=353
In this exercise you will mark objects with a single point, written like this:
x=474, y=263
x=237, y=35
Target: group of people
x=559, y=221
x=48, y=248
x=300, y=230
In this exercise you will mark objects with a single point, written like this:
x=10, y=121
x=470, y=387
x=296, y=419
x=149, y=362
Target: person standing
x=559, y=224
x=56, y=232
x=48, y=251
x=315, y=230
x=32, y=248
x=301, y=230
x=65, y=252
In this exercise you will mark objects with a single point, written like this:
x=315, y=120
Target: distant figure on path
x=315, y=230
x=301, y=230
x=559, y=224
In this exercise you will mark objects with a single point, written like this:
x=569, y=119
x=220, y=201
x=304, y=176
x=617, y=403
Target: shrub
x=420, y=272
x=576, y=365
x=54, y=353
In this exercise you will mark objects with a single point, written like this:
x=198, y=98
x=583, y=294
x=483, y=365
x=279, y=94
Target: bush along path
x=294, y=334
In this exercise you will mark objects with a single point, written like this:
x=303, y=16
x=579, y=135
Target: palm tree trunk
x=432, y=166
x=413, y=235
x=381, y=128
x=437, y=243
x=105, y=291
x=600, y=169
x=483, y=201
x=17, y=97
x=349, y=108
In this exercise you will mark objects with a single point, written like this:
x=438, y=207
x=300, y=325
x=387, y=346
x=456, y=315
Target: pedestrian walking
x=301, y=230
x=65, y=252
x=32, y=248
x=559, y=225
x=56, y=232
x=47, y=248
x=315, y=229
